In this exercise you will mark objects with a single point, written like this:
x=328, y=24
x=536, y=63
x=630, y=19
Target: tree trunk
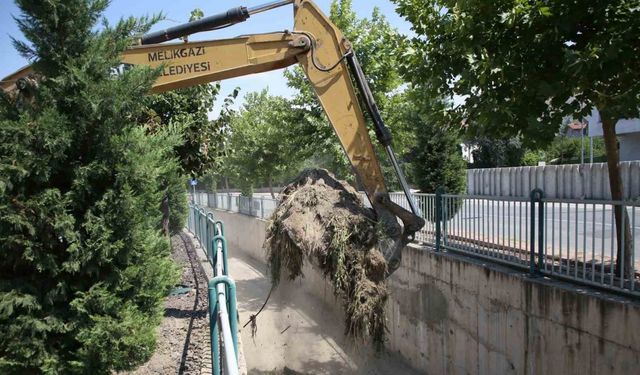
x=623, y=234
x=270, y=183
x=164, y=208
x=226, y=183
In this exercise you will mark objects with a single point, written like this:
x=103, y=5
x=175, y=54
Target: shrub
x=83, y=267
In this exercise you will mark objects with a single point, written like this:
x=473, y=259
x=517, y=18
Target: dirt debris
x=323, y=220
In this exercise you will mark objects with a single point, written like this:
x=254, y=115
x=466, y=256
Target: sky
x=177, y=12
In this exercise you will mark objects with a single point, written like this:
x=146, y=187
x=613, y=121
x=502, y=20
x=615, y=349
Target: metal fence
x=261, y=207
x=223, y=313
x=570, y=239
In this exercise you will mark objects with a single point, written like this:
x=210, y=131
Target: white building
x=628, y=131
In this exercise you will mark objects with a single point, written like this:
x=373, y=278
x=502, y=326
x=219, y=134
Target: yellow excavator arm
x=327, y=59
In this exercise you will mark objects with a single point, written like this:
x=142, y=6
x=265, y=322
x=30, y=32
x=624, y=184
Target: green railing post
x=438, y=218
x=213, y=330
x=223, y=243
x=213, y=319
x=196, y=221
x=211, y=228
x=541, y=242
x=199, y=228
x=535, y=197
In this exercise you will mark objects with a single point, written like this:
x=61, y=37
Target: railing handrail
x=222, y=290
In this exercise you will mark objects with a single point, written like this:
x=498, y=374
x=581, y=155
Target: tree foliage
x=189, y=109
x=521, y=65
x=524, y=65
x=489, y=152
x=83, y=267
x=262, y=143
x=437, y=159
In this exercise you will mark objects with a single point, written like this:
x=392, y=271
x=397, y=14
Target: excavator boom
x=327, y=59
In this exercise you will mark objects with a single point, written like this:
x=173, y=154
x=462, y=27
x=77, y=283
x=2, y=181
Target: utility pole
x=582, y=143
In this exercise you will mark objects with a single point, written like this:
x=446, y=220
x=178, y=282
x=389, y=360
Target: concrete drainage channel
x=301, y=329
x=447, y=314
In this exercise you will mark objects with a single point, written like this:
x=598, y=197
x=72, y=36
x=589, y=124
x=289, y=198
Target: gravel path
x=183, y=336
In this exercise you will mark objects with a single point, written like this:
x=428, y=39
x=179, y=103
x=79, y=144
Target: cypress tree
x=83, y=266
x=437, y=160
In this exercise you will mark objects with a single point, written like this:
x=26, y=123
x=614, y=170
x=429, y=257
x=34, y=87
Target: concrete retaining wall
x=450, y=314
x=574, y=181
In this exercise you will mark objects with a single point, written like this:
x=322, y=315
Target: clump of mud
x=323, y=220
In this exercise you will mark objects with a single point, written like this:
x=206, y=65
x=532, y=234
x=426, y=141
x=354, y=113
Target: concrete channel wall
x=572, y=181
x=451, y=314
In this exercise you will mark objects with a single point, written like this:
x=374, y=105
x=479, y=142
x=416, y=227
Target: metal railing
x=573, y=240
x=223, y=313
x=261, y=207
x=580, y=242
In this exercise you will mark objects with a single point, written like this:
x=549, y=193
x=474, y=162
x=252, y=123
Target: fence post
x=213, y=319
x=536, y=197
x=196, y=222
x=438, y=218
x=541, y=220
x=210, y=231
x=213, y=330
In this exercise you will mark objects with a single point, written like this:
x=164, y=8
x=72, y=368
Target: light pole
x=193, y=183
x=582, y=143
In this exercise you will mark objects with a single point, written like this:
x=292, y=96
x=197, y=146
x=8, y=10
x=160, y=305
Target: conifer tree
x=83, y=267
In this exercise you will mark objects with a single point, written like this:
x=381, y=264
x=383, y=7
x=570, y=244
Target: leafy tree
x=568, y=150
x=262, y=142
x=202, y=148
x=83, y=267
x=437, y=159
x=494, y=153
x=189, y=109
x=524, y=65
x=199, y=150
x=222, y=171
x=533, y=157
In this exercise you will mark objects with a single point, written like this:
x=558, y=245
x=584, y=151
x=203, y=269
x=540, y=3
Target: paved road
x=582, y=231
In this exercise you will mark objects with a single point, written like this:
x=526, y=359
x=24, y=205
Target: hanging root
x=323, y=220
